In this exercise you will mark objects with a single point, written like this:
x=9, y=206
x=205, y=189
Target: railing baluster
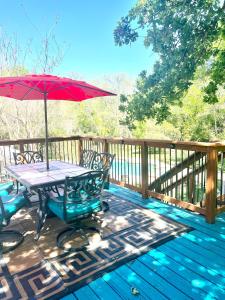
x=182, y=175
x=132, y=169
x=165, y=170
x=80, y=148
x=144, y=170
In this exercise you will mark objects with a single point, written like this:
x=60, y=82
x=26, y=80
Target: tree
x=101, y=116
x=17, y=118
x=195, y=120
x=186, y=34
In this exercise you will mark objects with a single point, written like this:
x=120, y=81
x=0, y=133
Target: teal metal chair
x=81, y=199
x=6, y=188
x=86, y=158
x=103, y=162
x=9, y=206
x=27, y=157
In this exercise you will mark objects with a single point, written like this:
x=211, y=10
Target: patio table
x=36, y=178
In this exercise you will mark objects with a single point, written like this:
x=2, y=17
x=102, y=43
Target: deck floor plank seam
x=175, y=279
x=197, y=258
x=161, y=283
x=209, y=241
x=213, y=260
x=101, y=288
x=137, y=281
x=118, y=284
x=185, y=273
x=86, y=292
x=193, y=266
x=208, y=248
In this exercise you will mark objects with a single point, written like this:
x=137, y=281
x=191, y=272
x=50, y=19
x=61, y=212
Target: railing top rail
x=36, y=140
x=161, y=143
x=185, y=145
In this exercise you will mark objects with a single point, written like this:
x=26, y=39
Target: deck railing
x=188, y=174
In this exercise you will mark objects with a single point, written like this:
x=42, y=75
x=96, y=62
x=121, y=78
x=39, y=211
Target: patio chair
x=9, y=206
x=6, y=188
x=26, y=157
x=86, y=158
x=103, y=162
x=81, y=200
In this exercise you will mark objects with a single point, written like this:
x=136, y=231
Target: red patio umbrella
x=48, y=87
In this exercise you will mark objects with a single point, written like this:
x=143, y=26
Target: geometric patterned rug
x=39, y=270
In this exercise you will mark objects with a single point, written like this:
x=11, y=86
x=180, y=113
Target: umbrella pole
x=46, y=131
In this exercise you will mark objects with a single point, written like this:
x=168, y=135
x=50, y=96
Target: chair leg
x=17, y=186
x=65, y=235
x=42, y=212
x=40, y=223
x=105, y=206
x=12, y=237
x=106, y=183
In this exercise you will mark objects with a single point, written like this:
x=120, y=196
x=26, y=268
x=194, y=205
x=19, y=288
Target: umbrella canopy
x=48, y=87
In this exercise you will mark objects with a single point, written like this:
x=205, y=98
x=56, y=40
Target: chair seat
x=6, y=188
x=74, y=210
x=13, y=206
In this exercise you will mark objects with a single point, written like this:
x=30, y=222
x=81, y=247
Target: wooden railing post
x=80, y=148
x=211, y=185
x=105, y=146
x=144, y=170
x=21, y=146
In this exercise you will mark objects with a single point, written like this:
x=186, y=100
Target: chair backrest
x=86, y=158
x=27, y=157
x=82, y=188
x=102, y=162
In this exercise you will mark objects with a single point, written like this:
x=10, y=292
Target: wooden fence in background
x=190, y=175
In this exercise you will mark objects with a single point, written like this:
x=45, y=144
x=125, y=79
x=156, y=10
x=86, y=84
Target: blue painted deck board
x=103, y=290
x=153, y=277
x=201, y=261
x=147, y=290
x=86, y=293
x=69, y=297
x=193, y=271
x=188, y=275
x=188, y=267
x=118, y=284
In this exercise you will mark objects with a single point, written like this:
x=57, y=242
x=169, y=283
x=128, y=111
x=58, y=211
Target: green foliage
x=192, y=119
x=195, y=120
x=185, y=35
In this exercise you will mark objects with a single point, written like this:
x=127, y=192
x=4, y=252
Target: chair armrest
x=13, y=198
x=55, y=200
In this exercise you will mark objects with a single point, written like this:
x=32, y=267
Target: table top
x=35, y=175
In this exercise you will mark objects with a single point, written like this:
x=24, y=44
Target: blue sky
x=86, y=30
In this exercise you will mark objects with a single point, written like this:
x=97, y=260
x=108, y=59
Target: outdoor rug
x=39, y=270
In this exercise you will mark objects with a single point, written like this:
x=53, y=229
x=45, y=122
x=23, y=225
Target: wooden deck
x=188, y=267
